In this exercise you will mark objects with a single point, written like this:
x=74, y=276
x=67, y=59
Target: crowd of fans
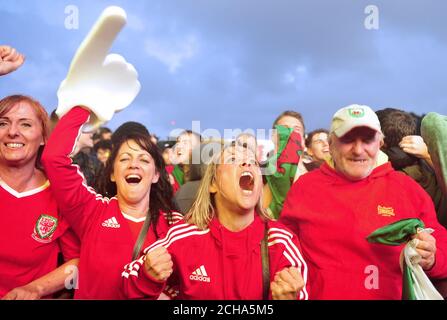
x=136, y=217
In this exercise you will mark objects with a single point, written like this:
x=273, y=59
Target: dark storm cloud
x=240, y=63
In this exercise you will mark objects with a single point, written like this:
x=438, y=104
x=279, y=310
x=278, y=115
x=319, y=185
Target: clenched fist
x=10, y=59
x=158, y=264
x=286, y=284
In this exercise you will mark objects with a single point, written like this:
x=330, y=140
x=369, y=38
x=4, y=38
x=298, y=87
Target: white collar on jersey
x=25, y=193
x=133, y=219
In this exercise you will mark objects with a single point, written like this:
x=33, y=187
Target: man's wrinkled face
x=355, y=154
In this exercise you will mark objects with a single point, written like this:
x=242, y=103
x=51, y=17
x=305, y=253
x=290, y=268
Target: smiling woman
x=112, y=230
x=28, y=268
x=227, y=248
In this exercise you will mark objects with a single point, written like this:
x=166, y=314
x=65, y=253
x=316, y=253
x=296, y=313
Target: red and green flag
x=179, y=175
x=283, y=166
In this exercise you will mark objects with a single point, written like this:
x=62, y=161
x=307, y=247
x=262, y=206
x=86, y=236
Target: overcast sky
x=239, y=63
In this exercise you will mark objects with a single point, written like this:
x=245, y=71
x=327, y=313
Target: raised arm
x=75, y=199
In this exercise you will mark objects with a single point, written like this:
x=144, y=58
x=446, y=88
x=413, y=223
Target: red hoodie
x=332, y=217
x=216, y=263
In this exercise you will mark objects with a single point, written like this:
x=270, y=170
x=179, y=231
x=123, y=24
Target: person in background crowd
x=84, y=156
x=409, y=154
x=359, y=192
x=286, y=165
x=186, y=142
x=317, y=145
x=154, y=138
x=34, y=233
x=167, y=152
x=103, y=133
x=222, y=248
x=53, y=120
x=187, y=193
x=103, y=149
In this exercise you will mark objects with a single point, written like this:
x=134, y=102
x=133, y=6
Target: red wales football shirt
x=31, y=236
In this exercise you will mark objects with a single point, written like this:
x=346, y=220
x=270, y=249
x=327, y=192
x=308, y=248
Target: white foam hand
x=104, y=83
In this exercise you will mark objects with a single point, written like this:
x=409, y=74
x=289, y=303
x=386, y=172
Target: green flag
x=178, y=174
x=415, y=283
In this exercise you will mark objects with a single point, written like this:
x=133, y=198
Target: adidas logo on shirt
x=111, y=223
x=200, y=275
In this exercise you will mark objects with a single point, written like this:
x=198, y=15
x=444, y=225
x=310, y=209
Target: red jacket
x=332, y=217
x=216, y=263
x=105, y=233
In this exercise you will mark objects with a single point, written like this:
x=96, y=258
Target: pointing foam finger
x=93, y=50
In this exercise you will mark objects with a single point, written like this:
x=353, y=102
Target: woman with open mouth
x=227, y=247
x=112, y=231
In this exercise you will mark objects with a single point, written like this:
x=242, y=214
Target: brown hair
x=395, y=125
x=311, y=134
x=290, y=113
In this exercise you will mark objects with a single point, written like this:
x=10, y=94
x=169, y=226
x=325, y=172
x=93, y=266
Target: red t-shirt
x=135, y=225
x=33, y=233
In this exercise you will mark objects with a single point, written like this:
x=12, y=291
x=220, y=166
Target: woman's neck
x=22, y=179
x=136, y=210
x=234, y=220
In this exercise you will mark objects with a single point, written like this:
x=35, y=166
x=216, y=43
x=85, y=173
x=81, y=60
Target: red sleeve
x=286, y=253
x=287, y=216
x=137, y=284
x=70, y=245
x=76, y=201
x=428, y=216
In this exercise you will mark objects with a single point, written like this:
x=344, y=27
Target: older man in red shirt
x=333, y=210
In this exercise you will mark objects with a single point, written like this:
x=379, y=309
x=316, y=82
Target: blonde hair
x=203, y=208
